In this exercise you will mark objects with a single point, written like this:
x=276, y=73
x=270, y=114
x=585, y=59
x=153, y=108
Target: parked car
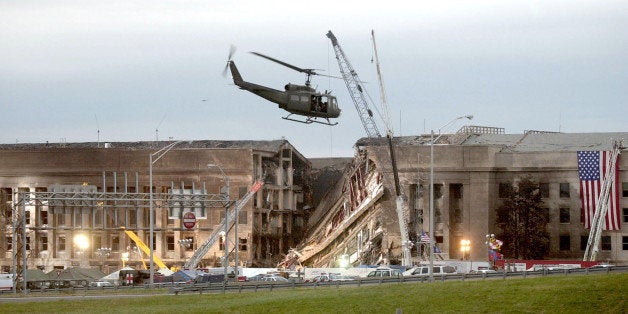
x=257, y=277
x=439, y=270
x=384, y=272
x=275, y=278
x=100, y=284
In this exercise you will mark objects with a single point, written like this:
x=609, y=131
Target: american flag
x=425, y=237
x=591, y=169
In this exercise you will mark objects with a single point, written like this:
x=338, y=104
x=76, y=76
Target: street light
x=226, y=231
x=125, y=258
x=432, y=242
x=153, y=158
x=103, y=253
x=465, y=248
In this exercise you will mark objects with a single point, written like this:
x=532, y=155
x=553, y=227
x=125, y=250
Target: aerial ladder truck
x=230, y=218
x=601, y=206
x=359, y=97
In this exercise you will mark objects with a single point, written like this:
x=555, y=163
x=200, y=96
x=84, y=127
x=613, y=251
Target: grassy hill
x=601, y=293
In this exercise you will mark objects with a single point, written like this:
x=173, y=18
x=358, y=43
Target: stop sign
x=189, y=220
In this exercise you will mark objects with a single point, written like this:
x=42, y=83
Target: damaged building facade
x=356, y=222
x=268, y=226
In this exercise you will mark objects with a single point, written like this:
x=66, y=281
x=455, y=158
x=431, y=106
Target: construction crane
x=357, y=93
x=140, y=244
x=231, y=215
x=601, y=206
x=350, y=76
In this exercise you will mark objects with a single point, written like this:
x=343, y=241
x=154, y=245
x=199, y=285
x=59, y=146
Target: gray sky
x=71, y=68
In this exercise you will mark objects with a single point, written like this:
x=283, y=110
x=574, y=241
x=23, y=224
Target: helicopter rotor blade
x=232, y=51
x=306, y=71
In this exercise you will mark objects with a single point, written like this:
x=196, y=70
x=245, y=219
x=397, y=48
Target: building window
x=242, y=217
x=27, y=213
x=564, y=190
x=243, y=244
x=583, y=242
x=625, y=214
x=606, y=243
x=44, y=217
x=624, y=243
x=564, y=243
x=28, y=243
x=544, y=189
x=564, y=216
x=504, y=189
x=61, y=220
x=61, y=243
x=115, y=243
x=9, y=245
x=624, y=189
x=170, y=243
x=44, y=243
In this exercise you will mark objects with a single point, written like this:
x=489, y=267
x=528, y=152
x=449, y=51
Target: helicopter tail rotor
x=232, y=51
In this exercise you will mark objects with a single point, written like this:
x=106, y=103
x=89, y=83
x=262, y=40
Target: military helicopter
x=300, y=100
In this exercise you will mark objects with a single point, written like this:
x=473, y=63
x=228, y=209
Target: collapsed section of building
x=357, y=223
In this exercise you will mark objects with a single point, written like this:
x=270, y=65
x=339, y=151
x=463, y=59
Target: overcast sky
x=127, y=68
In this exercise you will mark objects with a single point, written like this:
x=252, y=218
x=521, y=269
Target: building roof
x=538, y=142
x=272, y=145
x=528, y=142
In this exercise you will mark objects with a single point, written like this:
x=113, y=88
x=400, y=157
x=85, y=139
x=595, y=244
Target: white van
x=439, y=270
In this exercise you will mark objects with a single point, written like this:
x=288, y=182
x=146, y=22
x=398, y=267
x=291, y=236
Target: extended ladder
x=231, y=215
x=601, y=207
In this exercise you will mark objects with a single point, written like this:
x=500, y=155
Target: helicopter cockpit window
x=294, y=97
x=324, y=102
x=304, y=99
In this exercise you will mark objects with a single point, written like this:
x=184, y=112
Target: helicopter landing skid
x=309, y=120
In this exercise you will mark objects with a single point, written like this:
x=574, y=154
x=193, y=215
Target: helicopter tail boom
x=237, y=78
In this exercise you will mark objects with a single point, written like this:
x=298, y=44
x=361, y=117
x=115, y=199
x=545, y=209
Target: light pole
x=125, y=258
x=432, y=242
x=153, y=158
x=226, y=231
x=103, y=253
x=81, y=243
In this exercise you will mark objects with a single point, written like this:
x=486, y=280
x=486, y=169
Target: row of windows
x=115, y=243
x=564, y=243
x=544, y=189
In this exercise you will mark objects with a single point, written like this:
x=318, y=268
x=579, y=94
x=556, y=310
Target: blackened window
x=564, y=216
x=243, y=244
x=624, y=189
x=606, y=243
x=625, y=214
x=170, y=243
x=583, y=242
x=624, y=241
x=44, y=243
x=61, y=243
x=564, y=243
x=564, y=190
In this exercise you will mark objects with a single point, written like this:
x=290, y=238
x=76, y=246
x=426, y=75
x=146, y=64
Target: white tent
x=115, y=276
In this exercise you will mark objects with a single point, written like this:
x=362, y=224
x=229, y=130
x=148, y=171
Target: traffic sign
x=189, y=220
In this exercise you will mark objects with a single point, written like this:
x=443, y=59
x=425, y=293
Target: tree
x=523, y=222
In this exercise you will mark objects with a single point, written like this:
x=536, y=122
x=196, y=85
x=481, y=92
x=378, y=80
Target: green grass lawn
x=599, y=293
